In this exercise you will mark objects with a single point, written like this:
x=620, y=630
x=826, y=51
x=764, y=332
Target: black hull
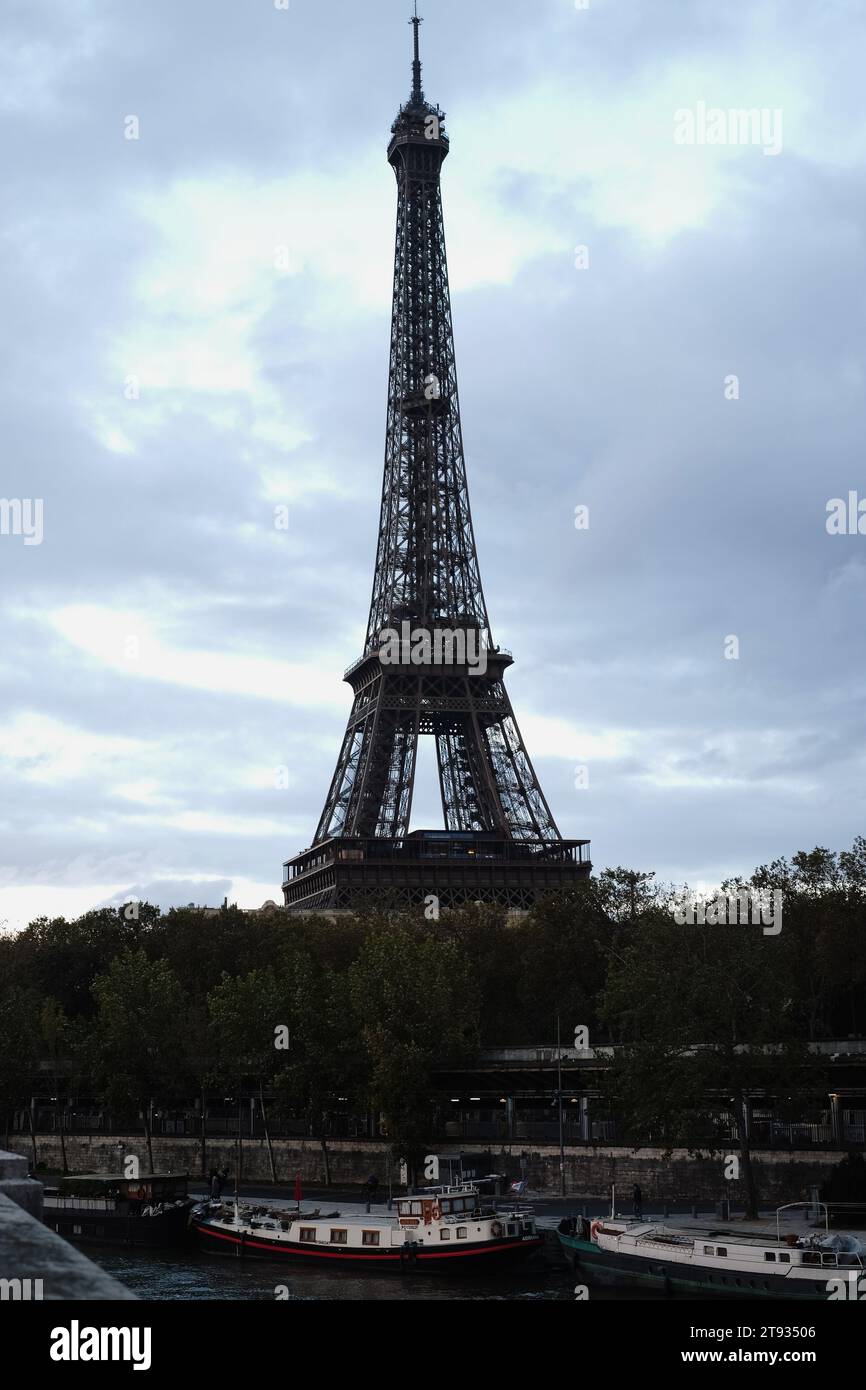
x=613, y=1269
x=114, y=1228
x=402, y=1260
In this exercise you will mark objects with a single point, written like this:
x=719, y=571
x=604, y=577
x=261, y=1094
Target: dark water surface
x=188, y=1274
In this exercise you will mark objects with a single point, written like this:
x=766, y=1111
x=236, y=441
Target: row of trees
x=143, y=1004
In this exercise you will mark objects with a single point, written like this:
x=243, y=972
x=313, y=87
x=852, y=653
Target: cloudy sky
x=196, y=325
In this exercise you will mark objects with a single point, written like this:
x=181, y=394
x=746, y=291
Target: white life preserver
x=496, y=1228
x=436, y=1212
x=594, y=1230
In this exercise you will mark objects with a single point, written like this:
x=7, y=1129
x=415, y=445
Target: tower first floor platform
x=453, y=866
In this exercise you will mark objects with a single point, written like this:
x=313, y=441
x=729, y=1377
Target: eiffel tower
x=429, y=665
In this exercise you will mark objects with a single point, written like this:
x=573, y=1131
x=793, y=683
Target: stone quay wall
x=590, y=1170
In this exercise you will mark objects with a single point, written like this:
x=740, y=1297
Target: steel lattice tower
x=427, y=581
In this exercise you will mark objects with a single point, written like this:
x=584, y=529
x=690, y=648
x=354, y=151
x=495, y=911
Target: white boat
x=803, y=1263
x=448, y=1229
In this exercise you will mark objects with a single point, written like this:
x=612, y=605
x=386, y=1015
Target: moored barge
x=716, y=1261
x=450, y=1229
x=105, y=1210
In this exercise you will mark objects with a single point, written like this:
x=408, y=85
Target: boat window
x=370, y=1237
x=446, y=1208
x=722, y=1250
x=528, y=1228
x=461, y=1232
x=308, y=1233
x=415, y=1208
x=768, y=1255
x=339, y=1237
x=709, y=1250
x=444, y=1235
x=784, y=1259
x=512, y=1229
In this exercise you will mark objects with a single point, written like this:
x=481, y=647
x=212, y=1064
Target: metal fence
x=489, y=1126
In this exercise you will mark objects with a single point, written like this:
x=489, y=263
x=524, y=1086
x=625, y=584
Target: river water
x=188, y=1274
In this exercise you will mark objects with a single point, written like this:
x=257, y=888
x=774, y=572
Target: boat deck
x=378, y=1216
x=762, y=1232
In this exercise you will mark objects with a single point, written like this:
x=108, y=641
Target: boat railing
x=814, y=1205
x=832, y=1259
x=791, y=1206
x=80, y=1203
x=463, y=1189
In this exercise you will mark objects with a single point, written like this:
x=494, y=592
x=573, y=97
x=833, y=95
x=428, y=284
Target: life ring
x=496, y=1228
x=594, y=1230
x=436, y=1212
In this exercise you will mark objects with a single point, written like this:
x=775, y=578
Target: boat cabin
x=107, y=1188
x=441, y=1204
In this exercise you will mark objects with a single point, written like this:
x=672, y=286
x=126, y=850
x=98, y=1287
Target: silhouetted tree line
x=141, y=1003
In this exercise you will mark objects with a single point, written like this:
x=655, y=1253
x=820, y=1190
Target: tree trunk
x=148, y=1137
x=32, y=1137
x=327, y=1160
x=240, y=1143
x=61, y=1115
x=203, y=1145
x=267, y=1134
x=746, y=1161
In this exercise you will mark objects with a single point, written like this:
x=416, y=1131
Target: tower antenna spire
x=417, y=90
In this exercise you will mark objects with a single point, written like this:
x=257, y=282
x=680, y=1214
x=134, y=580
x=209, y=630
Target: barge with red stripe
x=448, y=1229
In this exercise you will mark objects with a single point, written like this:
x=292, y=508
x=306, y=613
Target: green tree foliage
x=415, y=1003
x=493, y=946
x=57, y=1040
x=201, y=947
x=61, y=958
x=700, y=1011
x=19, y=1051
x=137, y=1042
x=246, y=1014
x=145, y=1005
x=326, y=1058
x=825, y=934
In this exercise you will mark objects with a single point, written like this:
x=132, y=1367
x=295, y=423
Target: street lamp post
x=559, y=1105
